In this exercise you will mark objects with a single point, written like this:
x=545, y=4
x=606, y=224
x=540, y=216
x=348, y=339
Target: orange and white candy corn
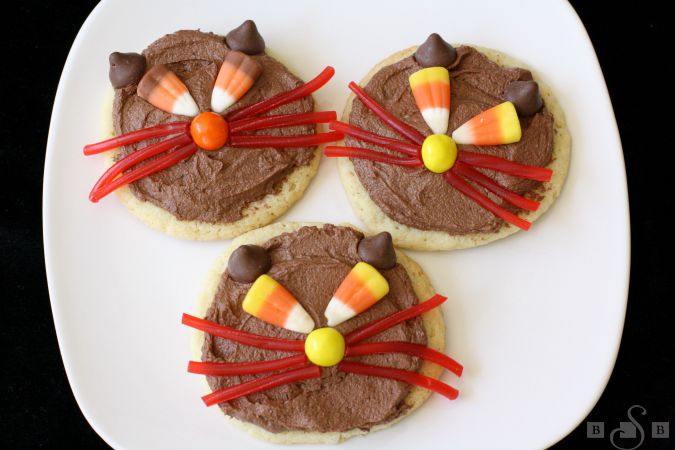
x=269, y=301
x=236, y=76
x=162, y=88
x=360, y=290
x=431, y=89
x=495, y=126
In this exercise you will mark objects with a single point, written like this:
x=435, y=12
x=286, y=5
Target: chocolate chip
x=378, y=251
x=245, y=38
x=525, y=97
x=125, y=68
x=435, y=52
x=247, y=263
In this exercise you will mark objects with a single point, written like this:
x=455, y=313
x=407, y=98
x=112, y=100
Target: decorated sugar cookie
x=314, y=333
x=450, y=147
x=214, y=137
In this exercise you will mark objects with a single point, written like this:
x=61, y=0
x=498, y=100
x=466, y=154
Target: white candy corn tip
x=437, y=119
x=221, y=100
x=185, y=106
x=463, y=135
x=337, y=312
x=299, y=321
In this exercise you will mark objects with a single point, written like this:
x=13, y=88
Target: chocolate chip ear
x=125, y=68
x=525, y=96
x=435, y=52
x=378, y=251
x=246, y=39
x=248, y=262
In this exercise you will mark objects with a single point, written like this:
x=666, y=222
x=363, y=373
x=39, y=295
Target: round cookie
x=417, y=239
x=432, y=323
x=278, y=193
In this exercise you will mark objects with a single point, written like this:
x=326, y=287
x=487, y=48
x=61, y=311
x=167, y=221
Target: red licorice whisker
x=385, y=323
x=402, y=128
x=242, y=337
x=281, y=120
x=401, y=375
x=505, y=166
x=258, y=141
x=139, y=155
x=521, y=202
x=284, y=97
x=370, y=155
x=392, y=144
x=224, y=369
x=151, y=167
x=262, y=384
x=421, y=351
x=164, y=129
x=466, y=189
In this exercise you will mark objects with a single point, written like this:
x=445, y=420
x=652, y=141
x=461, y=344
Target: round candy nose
x=209, y=131
x=439, y=153
x=325, y=347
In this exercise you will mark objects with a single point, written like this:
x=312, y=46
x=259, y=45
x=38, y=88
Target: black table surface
x=635, y=48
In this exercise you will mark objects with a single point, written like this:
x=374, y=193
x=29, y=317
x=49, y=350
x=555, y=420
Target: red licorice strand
x=402, y=128
x=139, y=155
x=284, y=97
x=258, y=141
x=401, y=375
x=466, y=189
x=164, y=129
x=281, y=120
x=363, y=135
x=149, y=168
x=370, y=155
x=517, y=200
x=242, y=337
x=262, y=384
x=421, y=351
x=246, y=368
x=385, y=323
x=505, y=166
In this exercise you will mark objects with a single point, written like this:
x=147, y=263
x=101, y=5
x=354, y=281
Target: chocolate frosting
x=216, y=186
x=247, y=263
x=246, y=38
x=525, y=97
x=424, y=200
x=378, y=251
x=125, y=68
x=435, y=52
x=311, y=263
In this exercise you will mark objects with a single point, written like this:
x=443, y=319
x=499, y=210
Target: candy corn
x=360, y=290
x=236, y=76
x=431, y=89
x=162, y=88
x=271, y=302
x=495, y=126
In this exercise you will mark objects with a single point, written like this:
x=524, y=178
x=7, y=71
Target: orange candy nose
x=209, y=131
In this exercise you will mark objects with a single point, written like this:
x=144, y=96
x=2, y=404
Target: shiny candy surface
x=209, y=131
x=325, y=347
x=439, y=153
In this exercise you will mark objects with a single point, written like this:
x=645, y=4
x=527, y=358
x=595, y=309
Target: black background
x=634, y=45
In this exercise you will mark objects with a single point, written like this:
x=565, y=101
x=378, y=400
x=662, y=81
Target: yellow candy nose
x=325, y=347
x=439, y=153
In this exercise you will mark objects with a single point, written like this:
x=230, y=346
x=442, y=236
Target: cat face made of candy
x=269, y=301
x=209, y=130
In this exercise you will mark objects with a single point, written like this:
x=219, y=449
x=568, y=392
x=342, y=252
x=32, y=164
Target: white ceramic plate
x=536, y=318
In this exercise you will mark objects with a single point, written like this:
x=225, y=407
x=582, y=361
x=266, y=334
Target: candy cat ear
x=163, y=89
x=495, y=126
x=360, y=290
x=270, y=302
x=236, y=76
x=431, y=89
